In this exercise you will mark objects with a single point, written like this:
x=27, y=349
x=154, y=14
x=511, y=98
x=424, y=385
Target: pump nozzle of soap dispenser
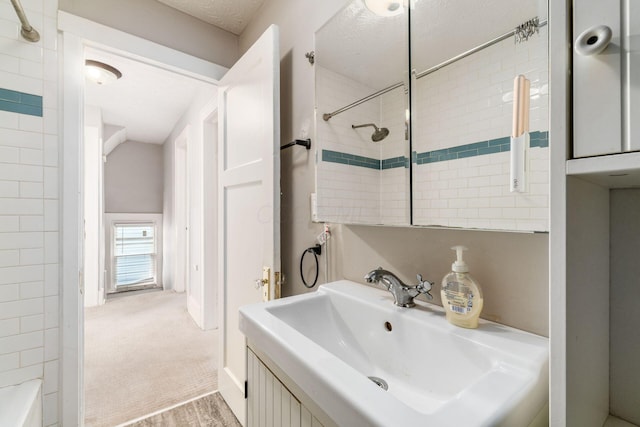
x=459, y=266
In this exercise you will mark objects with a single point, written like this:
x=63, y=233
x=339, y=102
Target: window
x=134, y=254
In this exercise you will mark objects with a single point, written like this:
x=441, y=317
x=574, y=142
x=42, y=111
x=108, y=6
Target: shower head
x=378, y=135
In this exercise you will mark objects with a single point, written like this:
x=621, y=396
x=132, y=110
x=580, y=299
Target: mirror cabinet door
x=361, y=71
x=462, y=113
x=464, y=58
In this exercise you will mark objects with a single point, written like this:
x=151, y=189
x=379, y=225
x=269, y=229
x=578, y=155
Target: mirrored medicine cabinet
x=415, y=114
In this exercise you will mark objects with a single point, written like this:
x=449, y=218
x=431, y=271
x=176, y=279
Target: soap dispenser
x=461, y=294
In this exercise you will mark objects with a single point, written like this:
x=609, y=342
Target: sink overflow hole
x=379, y=382
x=388, y=326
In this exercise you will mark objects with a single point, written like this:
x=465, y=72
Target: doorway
x=148, y=144
x=73, y=190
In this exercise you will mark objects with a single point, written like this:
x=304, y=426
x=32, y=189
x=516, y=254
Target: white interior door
x=249, y=199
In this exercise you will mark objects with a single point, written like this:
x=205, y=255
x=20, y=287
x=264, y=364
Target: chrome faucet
x=403, y=295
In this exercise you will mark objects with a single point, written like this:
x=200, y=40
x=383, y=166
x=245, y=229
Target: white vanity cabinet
x=271, y=403
x=606, y=77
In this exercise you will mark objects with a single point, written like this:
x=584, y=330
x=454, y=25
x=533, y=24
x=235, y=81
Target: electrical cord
x=315, y=250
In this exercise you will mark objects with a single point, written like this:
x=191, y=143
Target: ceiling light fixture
x=385, y=7
x=101, y=73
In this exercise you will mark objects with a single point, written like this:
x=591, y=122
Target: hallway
x=144, y=353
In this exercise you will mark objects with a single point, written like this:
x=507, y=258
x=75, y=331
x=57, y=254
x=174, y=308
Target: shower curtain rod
x=428, y=71
x=27, y=31
x=327, y=116
x=472, y=51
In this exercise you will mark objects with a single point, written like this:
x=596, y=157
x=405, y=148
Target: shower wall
x=348, y=172
x=461, y=129
x=30, y=199
x=360, y=181
x=394, y=172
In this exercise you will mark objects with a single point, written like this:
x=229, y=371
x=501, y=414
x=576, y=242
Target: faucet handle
x=424, y=286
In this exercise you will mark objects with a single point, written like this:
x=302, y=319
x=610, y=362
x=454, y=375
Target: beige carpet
x=144, y=353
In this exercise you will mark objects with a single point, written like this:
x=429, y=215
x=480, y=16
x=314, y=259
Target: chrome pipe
x=27, y=31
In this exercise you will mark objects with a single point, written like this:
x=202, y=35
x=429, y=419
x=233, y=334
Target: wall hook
x=311, y=56
x=304, y=142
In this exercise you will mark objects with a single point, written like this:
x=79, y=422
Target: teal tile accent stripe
x=395, y=162
x=21, y=103
x=350, y=159
x=365, y=162
x=539, y=139
x=536, y=139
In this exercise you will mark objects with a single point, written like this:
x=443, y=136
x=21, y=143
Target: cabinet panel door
x=596, y=82
x=631, y=84
x=269, y=402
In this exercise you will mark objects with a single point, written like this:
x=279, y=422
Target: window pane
x=134, y=253
x=134, y=239
x=134, y=269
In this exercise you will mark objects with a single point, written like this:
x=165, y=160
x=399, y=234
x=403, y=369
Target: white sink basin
x=328, y=342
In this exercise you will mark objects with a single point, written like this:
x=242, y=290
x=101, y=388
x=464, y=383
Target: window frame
x=115, y=223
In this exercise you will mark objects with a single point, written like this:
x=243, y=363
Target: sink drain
x=379, y=382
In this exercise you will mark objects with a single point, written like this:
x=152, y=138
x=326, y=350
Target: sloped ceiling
x=147, y=101
x=230, y=15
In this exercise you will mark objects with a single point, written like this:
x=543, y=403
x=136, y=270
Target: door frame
x=208, y=123
x=181, y=219
x=74, y=35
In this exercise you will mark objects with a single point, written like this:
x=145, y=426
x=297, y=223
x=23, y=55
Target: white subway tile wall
x=29, y=219
x=334, y=91
x=348, y=194
x=394, y=196
x=394, y=182
x=471, y=101
x=356, y=194
x=474, y=193
x=345, y=193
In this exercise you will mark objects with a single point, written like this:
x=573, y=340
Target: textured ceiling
x=373, y=49
x=442, y=29
x=364, y=46
x=230, y=15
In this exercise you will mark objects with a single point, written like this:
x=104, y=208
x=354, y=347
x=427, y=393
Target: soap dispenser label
x=459, y=297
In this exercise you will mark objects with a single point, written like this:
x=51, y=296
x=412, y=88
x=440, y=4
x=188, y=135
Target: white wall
x=93, y=208
x=133, y=178
x=29, y=207
x=624, y=340
x=158, y=22
x=201, y=164
x=298, y=21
